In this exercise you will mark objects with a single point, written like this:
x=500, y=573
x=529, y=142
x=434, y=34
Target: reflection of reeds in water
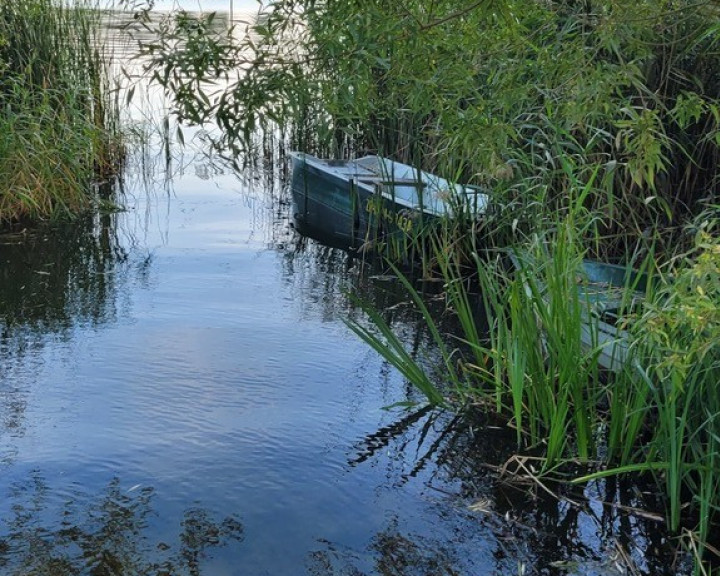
x=58, y=278
x=52, y=281
x=510, y=512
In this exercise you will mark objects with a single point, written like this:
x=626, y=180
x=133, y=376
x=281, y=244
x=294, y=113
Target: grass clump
x=656, y=413
x=58, y=120
x=672, y=380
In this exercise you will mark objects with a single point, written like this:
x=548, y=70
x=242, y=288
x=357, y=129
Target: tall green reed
x=673, y=377
x=550, y=375
x=537, y=361
x=381, y=337
x=59, y=120
x=531, y=364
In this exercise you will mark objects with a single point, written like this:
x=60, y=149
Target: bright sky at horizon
x=238, y=6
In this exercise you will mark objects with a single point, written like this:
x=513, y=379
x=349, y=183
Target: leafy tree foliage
x=532, y=99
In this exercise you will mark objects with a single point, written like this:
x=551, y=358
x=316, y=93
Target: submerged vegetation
x=58, y=117
x=595, y=127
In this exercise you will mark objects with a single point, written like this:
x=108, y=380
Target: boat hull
x=359, y=203
x=605, y=291
x=333, y=205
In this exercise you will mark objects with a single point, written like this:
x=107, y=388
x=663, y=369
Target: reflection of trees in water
x=54, y=279
x=323, y=275
x=394, y=553
x=105, y=537
x=51, y=281
x=321, y=279
x=602, y=529
x=398, y=554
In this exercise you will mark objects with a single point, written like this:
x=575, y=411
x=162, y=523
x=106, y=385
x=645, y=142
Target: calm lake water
x=179, y=395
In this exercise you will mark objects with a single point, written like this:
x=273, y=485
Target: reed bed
x=659, y=415
x=58, y=117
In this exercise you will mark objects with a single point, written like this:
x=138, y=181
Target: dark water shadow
x=459, y=459
x=56, y=277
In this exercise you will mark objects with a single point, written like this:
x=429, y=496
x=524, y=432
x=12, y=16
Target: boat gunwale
x=375, y=184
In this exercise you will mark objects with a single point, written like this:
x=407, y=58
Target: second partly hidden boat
x=607, y=294
x=354, y=203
